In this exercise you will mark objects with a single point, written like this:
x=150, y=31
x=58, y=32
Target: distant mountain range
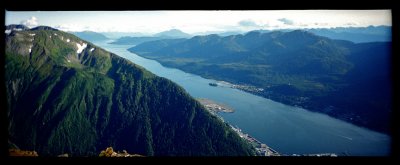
x=134, y=40
x=345, y=80
x=220, y=33
x=354, y=34
x=116, y=35
x=173, y=33
x=170, y=34
x=66, y=95
x=90, y=36
x=357, y=34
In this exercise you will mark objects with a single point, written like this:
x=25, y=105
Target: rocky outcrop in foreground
x=109, y=152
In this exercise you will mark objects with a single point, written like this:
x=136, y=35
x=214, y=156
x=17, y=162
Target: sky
x=151, y=22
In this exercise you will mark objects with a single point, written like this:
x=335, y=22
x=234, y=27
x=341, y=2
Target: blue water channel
x=287, y=129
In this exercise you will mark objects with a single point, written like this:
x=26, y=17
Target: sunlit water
x=287, y=129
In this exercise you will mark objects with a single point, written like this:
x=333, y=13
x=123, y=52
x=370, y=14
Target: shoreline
x=214, y=107
x=260, y=148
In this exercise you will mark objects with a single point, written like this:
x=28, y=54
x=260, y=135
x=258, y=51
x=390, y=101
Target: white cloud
x=248, y=22
x=286, y=21
x=248, y=25
x=198, y=21
x=31, y=22
x=351, y=24
x=70, y=27
x=303, y=25
x=73, y=27
x=321, y=24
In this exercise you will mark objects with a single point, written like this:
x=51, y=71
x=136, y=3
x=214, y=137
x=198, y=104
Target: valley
x=287, y=129
x=314, y=73
x=200, y=83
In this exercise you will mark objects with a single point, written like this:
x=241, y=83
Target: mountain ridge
x=355, y=34
x=169, y=34
x=172, y=33
x=90, y=36
x=66, y=95
x=297, y=68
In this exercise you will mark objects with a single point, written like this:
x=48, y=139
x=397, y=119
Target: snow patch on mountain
x=30, y=48
x=81, y=47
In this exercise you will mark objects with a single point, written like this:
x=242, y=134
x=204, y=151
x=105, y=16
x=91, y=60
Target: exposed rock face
x=109, y=152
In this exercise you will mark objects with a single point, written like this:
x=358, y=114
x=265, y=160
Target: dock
x=261, y=148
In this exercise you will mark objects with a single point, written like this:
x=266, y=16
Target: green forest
x=348, y=81
x=61, y=101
